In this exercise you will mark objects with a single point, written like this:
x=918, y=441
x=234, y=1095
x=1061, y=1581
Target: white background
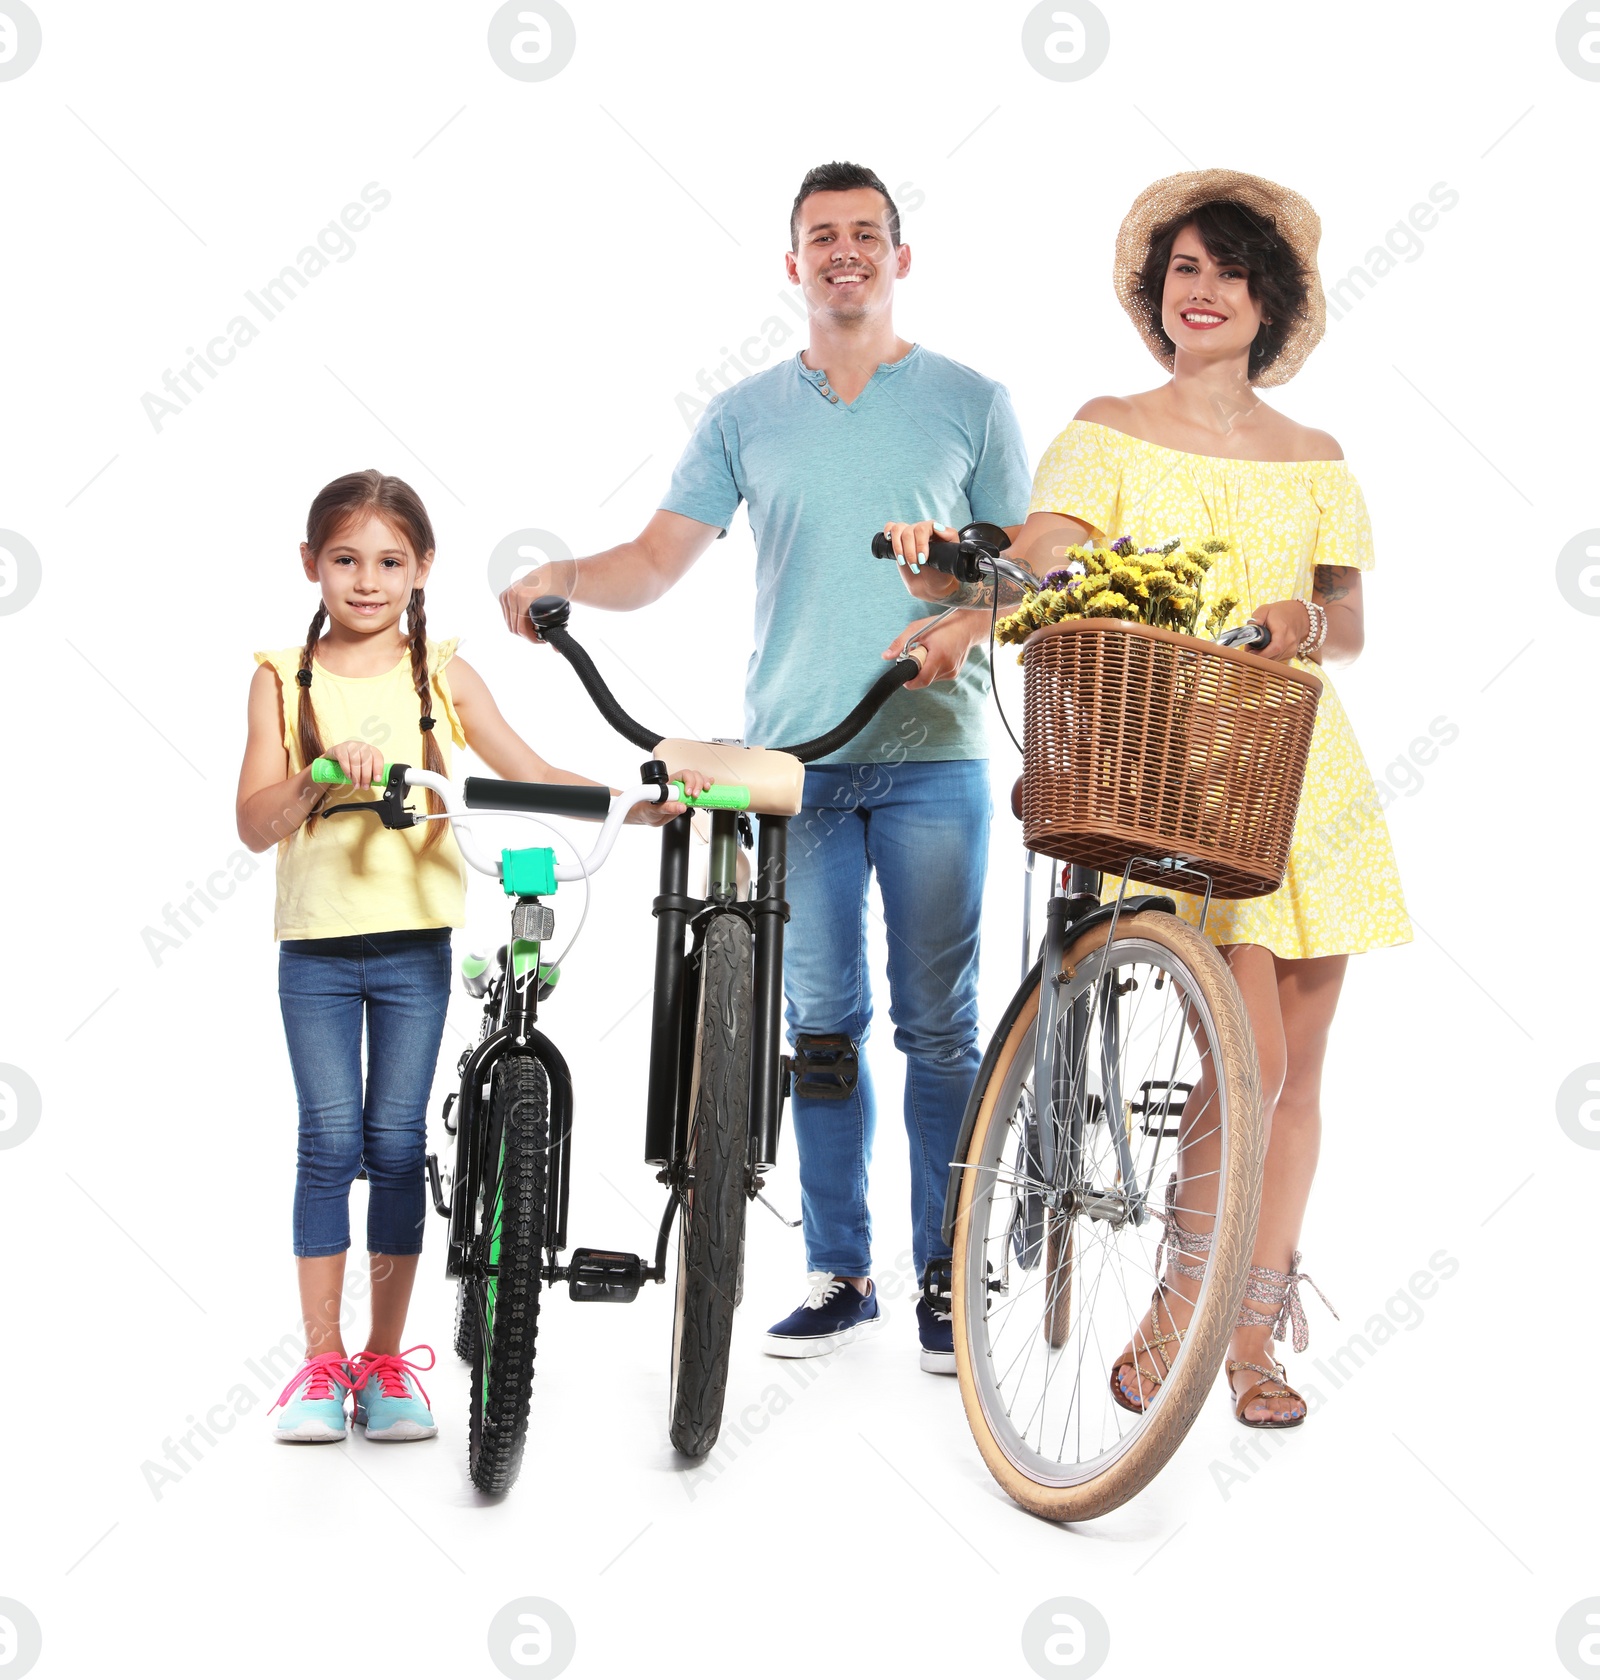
x=511, y=335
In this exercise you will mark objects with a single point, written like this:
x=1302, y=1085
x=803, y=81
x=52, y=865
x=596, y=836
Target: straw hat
x=1287, y=212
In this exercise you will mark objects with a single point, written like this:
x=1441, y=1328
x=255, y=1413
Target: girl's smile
x=367, y=573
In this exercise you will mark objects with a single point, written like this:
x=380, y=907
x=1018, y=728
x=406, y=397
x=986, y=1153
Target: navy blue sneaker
x=938, y=1341
x=835, y=1312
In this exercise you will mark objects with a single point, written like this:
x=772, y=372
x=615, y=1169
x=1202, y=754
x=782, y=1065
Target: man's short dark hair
x=840, y=177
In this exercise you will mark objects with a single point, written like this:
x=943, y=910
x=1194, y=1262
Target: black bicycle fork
x=672, y=1021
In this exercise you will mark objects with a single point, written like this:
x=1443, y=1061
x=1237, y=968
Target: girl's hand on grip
x=359, y=760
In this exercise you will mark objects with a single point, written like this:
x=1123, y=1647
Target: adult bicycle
x=1111, y=1153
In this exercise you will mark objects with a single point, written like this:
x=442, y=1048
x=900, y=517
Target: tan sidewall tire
x=1208, y=1334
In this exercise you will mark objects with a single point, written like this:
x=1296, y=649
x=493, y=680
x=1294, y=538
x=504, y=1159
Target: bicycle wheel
x=502, y=1270
x=1156, y=1062
x=711, y=1214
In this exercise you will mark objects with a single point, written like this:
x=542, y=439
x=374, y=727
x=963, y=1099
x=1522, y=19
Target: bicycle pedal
x=599, y=1274
x=1161, y=1101
x=824, y=1065
x=936, y=1282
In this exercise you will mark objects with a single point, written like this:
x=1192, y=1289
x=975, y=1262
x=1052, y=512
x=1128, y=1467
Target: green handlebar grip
x=720, y=796
x=327, y=771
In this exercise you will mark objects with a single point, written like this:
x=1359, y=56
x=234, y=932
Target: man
x=860, y=425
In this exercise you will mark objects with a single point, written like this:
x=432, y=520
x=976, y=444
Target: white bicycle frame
x=460, y=820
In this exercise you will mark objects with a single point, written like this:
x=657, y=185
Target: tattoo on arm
x=982, y=593
x=1331, y=583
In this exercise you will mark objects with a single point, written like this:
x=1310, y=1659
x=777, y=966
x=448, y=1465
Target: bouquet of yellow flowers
x=1163, y=587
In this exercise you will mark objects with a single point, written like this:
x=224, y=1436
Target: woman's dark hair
x=840, y=177
x=334, y=508
x=1233, y=233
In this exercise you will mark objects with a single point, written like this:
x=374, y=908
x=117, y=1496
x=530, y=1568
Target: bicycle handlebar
x=561, y=799
x=550, y=799
x=866, y=708
x=978, y=555
x=954, y=559
x=975, y=557
x=549, y=615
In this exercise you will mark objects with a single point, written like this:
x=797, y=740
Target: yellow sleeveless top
x=349, y=874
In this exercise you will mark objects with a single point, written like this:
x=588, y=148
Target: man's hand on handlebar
x=944, y=648
x=555, y=577
x=657, y=816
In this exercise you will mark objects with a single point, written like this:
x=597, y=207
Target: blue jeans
x=924, y=829
x=400, y=982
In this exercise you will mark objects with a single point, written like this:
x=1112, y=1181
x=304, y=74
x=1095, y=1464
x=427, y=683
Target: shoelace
x=390, y=1370
x=1279, y=1292
x=318, y=1375
x=824, y=1286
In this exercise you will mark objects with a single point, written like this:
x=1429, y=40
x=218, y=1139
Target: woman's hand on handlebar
x=359, y=760
x=910, y=542
x=945, y=647
x=656, y=816
x=1290, y=624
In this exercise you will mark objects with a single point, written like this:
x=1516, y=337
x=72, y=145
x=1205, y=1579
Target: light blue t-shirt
x=927, y=439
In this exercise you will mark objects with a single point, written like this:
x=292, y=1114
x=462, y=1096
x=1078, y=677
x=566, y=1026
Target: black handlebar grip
x=550, y=799
x=947, y=557
x=549, y=612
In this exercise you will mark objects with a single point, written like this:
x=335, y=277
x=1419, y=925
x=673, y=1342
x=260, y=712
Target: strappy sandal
x=1175, y=1243
x=1286, y=1318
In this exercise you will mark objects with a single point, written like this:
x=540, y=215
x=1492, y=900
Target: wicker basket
x=1142, y=743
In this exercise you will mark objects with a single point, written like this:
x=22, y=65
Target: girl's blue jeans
x=399, y=985
x=923, y=829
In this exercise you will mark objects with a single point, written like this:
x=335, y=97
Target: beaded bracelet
x=1318, y=631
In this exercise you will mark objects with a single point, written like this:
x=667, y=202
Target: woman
x=1218, y=271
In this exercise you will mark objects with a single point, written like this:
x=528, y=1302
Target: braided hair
x=334, y=507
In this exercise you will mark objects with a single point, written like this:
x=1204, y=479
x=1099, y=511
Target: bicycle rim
x=1054, y=1272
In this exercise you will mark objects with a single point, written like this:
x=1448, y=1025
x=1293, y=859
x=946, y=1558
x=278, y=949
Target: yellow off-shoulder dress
x=1283, y=519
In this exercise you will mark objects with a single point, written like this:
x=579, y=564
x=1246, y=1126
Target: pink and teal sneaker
x=391, y=1405
x=313, y=1401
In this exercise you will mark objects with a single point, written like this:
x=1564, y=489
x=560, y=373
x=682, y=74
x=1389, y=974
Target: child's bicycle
x=717, y=1077
x=1123, y=1067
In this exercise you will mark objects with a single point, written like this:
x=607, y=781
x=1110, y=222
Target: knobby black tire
x=466, y=1334
x=519, y=1153
x=711, y=1223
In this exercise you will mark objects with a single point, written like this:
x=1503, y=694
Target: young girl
x=364, y=916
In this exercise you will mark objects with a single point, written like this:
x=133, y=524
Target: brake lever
x=391, y=806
